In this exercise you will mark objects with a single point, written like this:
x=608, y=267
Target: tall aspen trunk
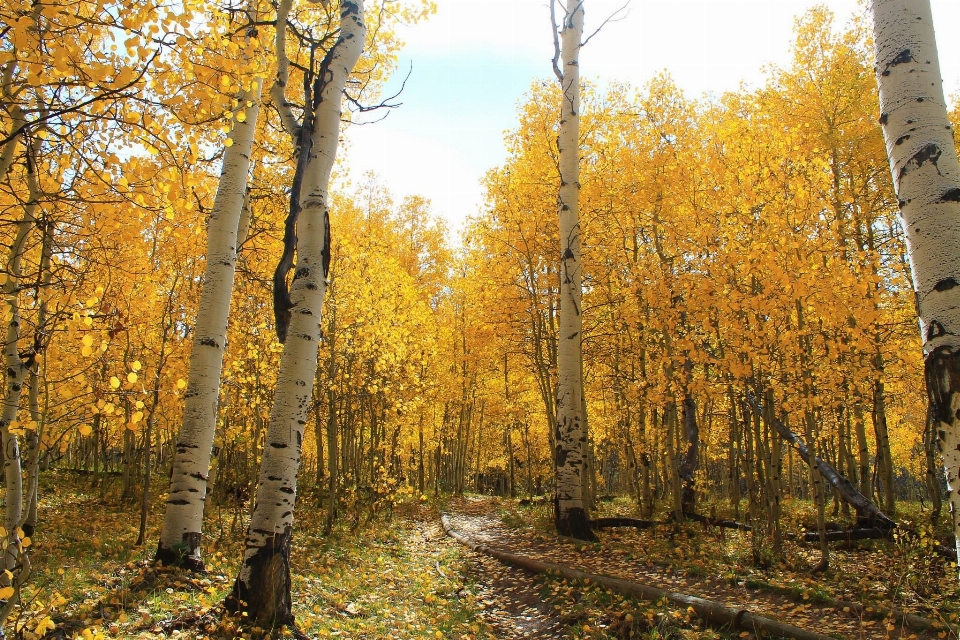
x=262, y=589
x=926, y=176
x=733, y=454
x=15, y=562
x=570, y=507
x=673, y=465
x=179, y=542
x=884, y=459
x=817, y=490
x=691, y=458
x=775, y=464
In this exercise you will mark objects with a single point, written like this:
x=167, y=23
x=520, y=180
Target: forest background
x=735, y=246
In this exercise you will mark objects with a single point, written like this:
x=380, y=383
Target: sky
x=473, y=61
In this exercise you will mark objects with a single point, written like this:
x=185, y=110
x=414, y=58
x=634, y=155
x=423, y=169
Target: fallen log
x=608, y=523
x=846, y=535
x=867, y=512
x=877, y=612
x=714, y=613
x=717, y=522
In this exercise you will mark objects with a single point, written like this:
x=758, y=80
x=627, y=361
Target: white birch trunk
x=926, y=176
x=183, y=519
x=15, y=370
x=262, y=588
x=570, y=508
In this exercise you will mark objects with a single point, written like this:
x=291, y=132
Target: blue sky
x=474, y=60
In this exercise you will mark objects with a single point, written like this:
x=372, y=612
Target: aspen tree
x=262, y=589
x=926, y=176
x=570, y=507
x=183, y=519
x=17, y=367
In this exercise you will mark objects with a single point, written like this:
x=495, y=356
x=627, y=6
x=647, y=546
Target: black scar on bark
x=560, y=458
x=265, y=596
x=945, y=285
x=574, y=524
x=942, y=371
x=181, y=555
x=930, y=153
x=935, y=330
x=209, y=342
x=884, y=118
x=953, y=195
x=325, y=253
x=903, y=57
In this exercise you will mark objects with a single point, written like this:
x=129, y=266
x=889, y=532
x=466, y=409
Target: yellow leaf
x=131, y=377
x=85, y=430
x=181, y=383
x=115, y=382
x=86, y=352
x=6, y=592
x=87, y=340
x=26, y=542
x=136, y=366
x=229, y=142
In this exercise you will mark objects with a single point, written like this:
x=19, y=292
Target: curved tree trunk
x=262, y=588
x=179, y=542
x=926, y=176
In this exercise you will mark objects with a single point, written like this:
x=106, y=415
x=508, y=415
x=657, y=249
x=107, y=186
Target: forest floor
x=712, y=564
x=399, y=576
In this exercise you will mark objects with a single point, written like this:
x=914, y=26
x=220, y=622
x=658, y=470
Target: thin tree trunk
x=179, y=542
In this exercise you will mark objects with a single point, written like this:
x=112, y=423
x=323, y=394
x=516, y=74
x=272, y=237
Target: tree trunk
x=570, y=507
x=179, y=542
x=262, y=588
x=926, y=176
x=16, y=371
x=884, y=460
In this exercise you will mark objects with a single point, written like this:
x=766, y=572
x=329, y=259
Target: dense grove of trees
x=744, y=276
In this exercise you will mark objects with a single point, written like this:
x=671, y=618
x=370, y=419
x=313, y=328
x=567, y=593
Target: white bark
x=926, y=176
x=272, y=518
x=571, y=435
x=16, y=370
x=183, y=518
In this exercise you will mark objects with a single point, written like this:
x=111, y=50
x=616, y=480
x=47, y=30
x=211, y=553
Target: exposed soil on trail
x=515, y=609
x=511, y=606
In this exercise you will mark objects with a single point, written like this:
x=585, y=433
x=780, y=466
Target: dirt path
x=510, y=598
x=476, y=519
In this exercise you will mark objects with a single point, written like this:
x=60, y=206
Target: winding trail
x=516, y=610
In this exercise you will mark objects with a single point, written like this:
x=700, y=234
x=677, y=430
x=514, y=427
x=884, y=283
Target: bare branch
x=384, y=104
x=277, y=92
x=556, y=41
x=613, y=17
